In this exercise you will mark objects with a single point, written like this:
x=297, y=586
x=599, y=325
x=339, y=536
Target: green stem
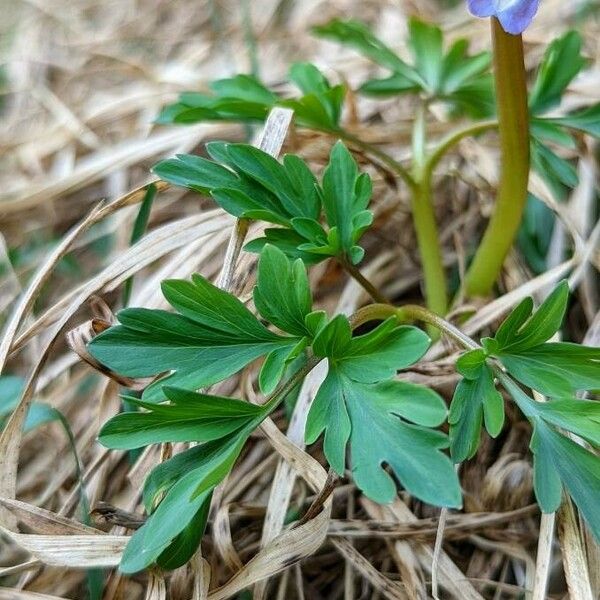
x=513, y=123
x=373, y=312
x=421, y=200
x=375, y=294
x=275, y=399
x=391, y=163
x=407, y=314
x=426, y=229
x=434, y=276
x=446, y=144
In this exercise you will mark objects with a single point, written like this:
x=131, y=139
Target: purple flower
x=514, y=15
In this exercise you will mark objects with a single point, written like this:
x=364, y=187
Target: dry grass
x=84, y=82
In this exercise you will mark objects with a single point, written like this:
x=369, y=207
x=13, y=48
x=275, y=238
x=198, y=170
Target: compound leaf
x=372, y=416
x=215, y=337
x=581, y=417
x=586, y=120
x=240, y=98
x=577, y=468
x=358, y=36
x=183, y=500
x=380, y=353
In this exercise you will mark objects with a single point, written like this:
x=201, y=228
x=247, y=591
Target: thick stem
x=513, y=123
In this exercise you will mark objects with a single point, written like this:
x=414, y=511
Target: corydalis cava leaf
x=455, y=77
x=371, y=417
x=213, y=337
x=345, y=194
x=514, y=15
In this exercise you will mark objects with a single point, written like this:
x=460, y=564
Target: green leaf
x=357, y=35
x=185, y=545
x=426, y=43
x=555, y=170
x=289, y=242
x=249, y=183
x=459, y=69
x=586, y=120
x=561, y=63
x=469, y=364
x=276, y=364
x=243, y=87
x=520, y=331
x=213, y=338
x=321, y=105
x=511, y=325
x=183, y=500
x=370, y=414
x=462, y=80
x=373, y=356
x=162, y=478
x=535, y=234
x=172, y=516
x=282, y=294
x=555, y=369
x=328, y=414
x=308, y=78
x=547, y=130
x=474, y=400
x=11, y=389
x=310, y=229
x=296, y=194
x=139, y=229
x=581, y=417
x=546, y=480
x=241, y=98
x=214, y=308
x=315, y=321
x=475, y=97
x=578, y=469
x=190, y=417
x=346, y=194
x=382, y=352
x=333, y=339
x=389, y=86
x=196, y=173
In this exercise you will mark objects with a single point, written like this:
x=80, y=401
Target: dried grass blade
x=75, y=551
x=383, y=585
x=15, y=594
x=574, y=559
x=45, y=522
x=38, y=281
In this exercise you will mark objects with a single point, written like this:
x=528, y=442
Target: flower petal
x=482, y=8
x=516, y=17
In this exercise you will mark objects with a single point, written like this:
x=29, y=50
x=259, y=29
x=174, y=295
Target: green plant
x=382, y=430
x=464, y=84
x=385, y=421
